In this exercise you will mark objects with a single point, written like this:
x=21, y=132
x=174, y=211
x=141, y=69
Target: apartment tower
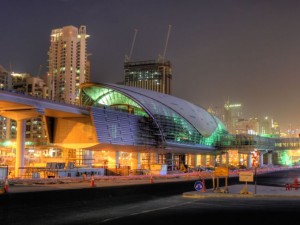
x=152, y=75
x=67, y=63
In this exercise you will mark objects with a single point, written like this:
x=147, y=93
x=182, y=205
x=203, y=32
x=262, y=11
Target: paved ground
x=87, y=183
x=126, y=201
x=243, y=191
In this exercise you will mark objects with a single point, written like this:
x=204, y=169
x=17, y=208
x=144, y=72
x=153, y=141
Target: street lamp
x=255, y=164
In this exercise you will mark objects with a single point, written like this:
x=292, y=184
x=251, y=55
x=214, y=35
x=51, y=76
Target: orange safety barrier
x=151, y=179
x=92, y=182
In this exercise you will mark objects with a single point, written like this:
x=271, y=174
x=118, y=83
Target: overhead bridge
x=64, y=117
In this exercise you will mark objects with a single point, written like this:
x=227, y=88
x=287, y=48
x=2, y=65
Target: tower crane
x=128, y=58
x=162, y=58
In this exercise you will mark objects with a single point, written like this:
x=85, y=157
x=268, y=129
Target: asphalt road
x=161, y=203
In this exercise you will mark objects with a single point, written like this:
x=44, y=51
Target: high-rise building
x=35, y=86
x=152, y=75
x=232, y=115
x=5, y=83
x=19, y=81
x=67, y=63
x=5, y=78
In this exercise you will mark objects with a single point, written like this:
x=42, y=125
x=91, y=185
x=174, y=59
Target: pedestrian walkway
x=242, y=191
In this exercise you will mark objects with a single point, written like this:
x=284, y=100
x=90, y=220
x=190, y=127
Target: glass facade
x=173, y=126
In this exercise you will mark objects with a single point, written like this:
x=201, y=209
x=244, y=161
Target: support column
x=20, y=148
x=139, y=160
x=270, y=158
x=261, y=159
x=196, y=160
x=249, y=163
x=117, y=159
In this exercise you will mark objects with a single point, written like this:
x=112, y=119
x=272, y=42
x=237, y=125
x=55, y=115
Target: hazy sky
x=246, y=51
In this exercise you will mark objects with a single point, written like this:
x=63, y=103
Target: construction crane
x=128, y=58
x=162, y=58
x=39, y=70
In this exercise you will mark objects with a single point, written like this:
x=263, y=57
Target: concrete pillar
x=197, y=160
x=8, y=129
x=270, y=158
x=249, y=163
x=117, y=160
x=20, y=148
x=139, y=160
x=261, y=159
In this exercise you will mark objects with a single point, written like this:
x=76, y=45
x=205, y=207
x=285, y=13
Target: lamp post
x=255, y=165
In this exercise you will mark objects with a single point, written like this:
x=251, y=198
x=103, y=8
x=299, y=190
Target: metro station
x=120, y=130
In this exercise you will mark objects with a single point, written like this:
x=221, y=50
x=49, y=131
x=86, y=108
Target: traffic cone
x=151, y=179
x=92, y=182
x=204, y=188
x=6, y=185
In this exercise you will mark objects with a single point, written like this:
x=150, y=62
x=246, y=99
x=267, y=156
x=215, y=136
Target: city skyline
x=244, y=51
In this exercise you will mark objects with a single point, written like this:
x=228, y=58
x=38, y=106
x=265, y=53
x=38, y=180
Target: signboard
x=198, y=185
x=221, y=172
x=246, y=176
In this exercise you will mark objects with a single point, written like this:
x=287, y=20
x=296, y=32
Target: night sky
x=246, y=51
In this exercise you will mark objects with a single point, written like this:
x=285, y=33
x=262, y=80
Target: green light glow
x=285, y=158
x=100, y=96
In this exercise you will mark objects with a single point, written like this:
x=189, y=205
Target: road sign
x=246, y=176
x=221, y=172
x=198, y=185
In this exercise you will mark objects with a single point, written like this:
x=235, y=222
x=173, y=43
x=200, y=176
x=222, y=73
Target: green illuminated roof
x=178, y=120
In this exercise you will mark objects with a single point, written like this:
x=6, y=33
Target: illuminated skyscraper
x=152, y=75
x=232, y=115
x=67, y=63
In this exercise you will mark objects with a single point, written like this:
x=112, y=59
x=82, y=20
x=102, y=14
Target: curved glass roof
x=203, y=121
x=178, y=120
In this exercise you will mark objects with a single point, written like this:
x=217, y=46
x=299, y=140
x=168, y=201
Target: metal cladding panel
x=113, y=127
x=203, y=121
